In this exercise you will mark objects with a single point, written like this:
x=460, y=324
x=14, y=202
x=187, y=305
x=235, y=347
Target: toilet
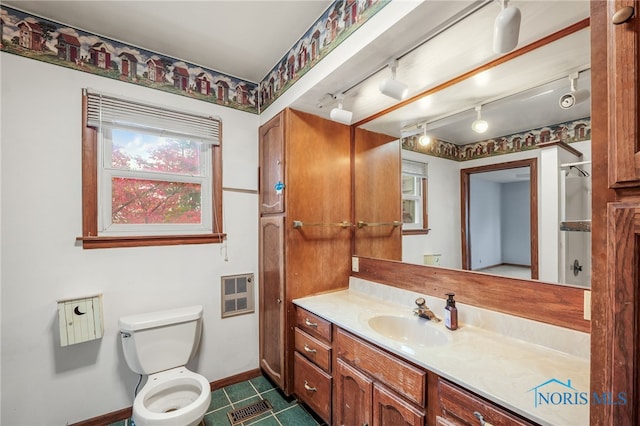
x=159, y=344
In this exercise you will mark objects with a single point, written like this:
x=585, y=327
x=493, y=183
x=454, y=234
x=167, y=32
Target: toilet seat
x=171, y=398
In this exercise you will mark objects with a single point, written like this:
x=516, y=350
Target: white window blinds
x=110, y=111
x=414, y=168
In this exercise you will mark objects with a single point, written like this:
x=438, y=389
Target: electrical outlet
x=355, y=264
x=587, y=305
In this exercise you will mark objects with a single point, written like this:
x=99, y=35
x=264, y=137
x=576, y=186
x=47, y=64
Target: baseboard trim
x=125, y=413
x=232, y=380
x=106, y=419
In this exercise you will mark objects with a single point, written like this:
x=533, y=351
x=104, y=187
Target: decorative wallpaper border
x=571, y=131
x=49, y=41
x=339, y=21
x=59, y=44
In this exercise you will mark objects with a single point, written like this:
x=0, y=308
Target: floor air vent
x=243, y=414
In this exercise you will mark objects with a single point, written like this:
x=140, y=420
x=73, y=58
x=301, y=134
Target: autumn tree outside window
x=151, y=175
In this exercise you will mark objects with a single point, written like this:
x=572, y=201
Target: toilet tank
x=158, y=341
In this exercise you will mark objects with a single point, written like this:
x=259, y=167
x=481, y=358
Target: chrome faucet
x=423, y=311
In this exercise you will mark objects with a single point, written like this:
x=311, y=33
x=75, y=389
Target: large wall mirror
x=536, y=108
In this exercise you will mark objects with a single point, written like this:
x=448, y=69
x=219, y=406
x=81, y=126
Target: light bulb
x=479, y=126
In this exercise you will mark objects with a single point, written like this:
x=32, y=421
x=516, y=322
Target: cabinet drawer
x=460, y=405
x=313, y=349
x=312, y=386
x=313, y=325
x=403, y=378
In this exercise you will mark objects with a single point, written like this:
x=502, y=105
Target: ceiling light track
x=445, y=25
x=412, y=128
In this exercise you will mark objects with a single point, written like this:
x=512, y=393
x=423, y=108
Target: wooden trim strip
x=544, y=302
x=143, y=241
x=580, y=25
x=126, y=413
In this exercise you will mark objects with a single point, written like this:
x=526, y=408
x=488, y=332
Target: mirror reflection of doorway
x=499, y=219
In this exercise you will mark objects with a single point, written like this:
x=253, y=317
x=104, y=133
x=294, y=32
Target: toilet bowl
x=159, y=345
x=176, y=397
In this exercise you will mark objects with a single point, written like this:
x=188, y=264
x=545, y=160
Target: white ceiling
x=242, y=38
x=247, y=38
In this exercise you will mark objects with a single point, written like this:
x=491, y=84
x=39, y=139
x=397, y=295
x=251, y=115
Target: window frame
x=90, y=238
x=425, y=215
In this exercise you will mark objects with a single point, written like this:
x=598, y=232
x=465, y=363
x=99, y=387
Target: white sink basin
x=411, y=331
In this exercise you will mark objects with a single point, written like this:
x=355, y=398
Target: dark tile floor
x=286, y=411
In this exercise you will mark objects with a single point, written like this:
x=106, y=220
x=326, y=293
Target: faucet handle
x=420, y=302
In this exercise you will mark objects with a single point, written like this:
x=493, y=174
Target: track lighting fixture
x=574, y=97
x=479, y=125
x=506, y=28
x=339, y=114
x=424, y=139
x=392, y=87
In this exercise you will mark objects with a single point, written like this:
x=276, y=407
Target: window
x=151, y=176
x=414, y=197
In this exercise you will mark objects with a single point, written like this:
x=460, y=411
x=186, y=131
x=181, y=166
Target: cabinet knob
x=310, y=324
x=622, y=15
x=309, y=388
x=279, y=301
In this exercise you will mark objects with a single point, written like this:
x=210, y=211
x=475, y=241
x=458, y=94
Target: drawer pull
x=310, y=324
x=482, y=422
x=309, y=350
x=309, y=388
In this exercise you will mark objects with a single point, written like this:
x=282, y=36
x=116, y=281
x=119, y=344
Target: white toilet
x=159, y=344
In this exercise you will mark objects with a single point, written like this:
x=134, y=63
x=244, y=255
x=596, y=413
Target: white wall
x=485, y=222
x=42, y=383
x=515, y=222
x=444, y=214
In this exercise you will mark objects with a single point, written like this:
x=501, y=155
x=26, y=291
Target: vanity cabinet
x=312, y=362
x=305, y=176
x=460, y=407
x=375, y=388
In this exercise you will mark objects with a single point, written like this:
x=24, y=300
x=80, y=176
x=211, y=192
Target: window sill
x=416, y=231
x=146, y=241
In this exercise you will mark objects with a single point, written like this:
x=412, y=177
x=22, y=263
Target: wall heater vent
x=237, y=295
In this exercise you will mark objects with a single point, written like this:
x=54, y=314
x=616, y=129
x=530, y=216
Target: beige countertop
x=506, y=370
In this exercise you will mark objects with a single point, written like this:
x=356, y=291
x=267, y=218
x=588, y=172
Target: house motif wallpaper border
x=49, y=41
x=339, y=21
x=568, y=132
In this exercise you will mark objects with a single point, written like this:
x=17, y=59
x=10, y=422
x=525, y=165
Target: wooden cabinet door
x=390, y=409
x=377, y=196
x=624, y=94
x=353, y=396
x=622, y=344
x=272, y=321
x=271, y=152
